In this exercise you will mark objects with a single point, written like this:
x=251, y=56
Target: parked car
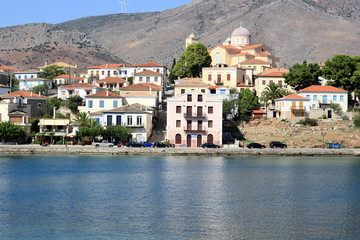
x=135, y=144
x=160, y=145
x=103, y=144
x=210, y=145
x=148, y=144
x=255, y=145
x=275, y=144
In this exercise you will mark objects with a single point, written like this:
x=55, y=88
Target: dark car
x=148, y=144
x=210, y=145
x=255, y=145
x=160, y=145
x=135, y=144
x=275, y=144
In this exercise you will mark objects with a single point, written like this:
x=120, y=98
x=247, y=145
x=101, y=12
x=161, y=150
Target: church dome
x=240, y=32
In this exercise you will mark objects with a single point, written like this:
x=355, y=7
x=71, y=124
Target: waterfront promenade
x=91, y=150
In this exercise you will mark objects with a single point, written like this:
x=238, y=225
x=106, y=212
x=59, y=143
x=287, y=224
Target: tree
x=191, y=62
x=40, y=89
x=54, y=103
x=52, y=71
x=342, y=69
x=303, y=75
x=73, y=103
x=271, y=92
x=246, y=102
x=10, y=131
x=117, y=132
x=335, y=107
x=171, y=75
x=91, y=130
x=83, y=119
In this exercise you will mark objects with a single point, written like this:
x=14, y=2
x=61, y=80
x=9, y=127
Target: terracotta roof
x=4, y=67
x=271, y=74
x=244, y=85
x=229, y=47
x=254, y=61
x=60, y=64
x=79, y=85
x=149, y=64
x=263, y=54
x=136, y=93
x=35, y=79
x=243, y=53
x=318, y=88
x=110, y=66
x=18, y=112
x=23, y=94
x=111, y=80
x=105, y=94
x=148, y=73
x=215, y=87
x=142, y=86
x=124, y=108
x=294, y=97
x=258, y=111
x=253, y=46
x=69, y=77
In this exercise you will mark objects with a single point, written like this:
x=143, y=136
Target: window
x=203, y=90
x=341, y=98
x=103, y=73
x=19, y=77
x=308, y=96
x=109, y=120
x=280, y=83
x=315, y=98
x=263, y=82
x=189, y=97
x=139, y=120
x=228, y=77
x=101, y=104
x=90, y=103
x=115, y=104
x=210, y=109
x=118, y=120
x=219, y=77
x=271, y=81
x=335, y=98
x=147, y=79
x=210, y=124
x=313, y=106
x=156, y=79
x=178, y=123
x=218, y=58
x=129, y=120
x=39, y=105
x=200, y=98
x=222, y=91
x=182, y=91
x=209, y=77
x=178, y=109
x=140, y=79
x=178, y=138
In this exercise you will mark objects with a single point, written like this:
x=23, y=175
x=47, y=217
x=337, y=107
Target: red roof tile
x=254, y=61
x=142, y=86
x=258, y=111
x=105, y=94
x=244, y=85
x=79, y=85
x=253, y=46
x=110, y=66
x=4, y=67
x=69, y=77
x=111, y=80
x=271, y=74
x=319, y=88
x=23, y=94
x=150, y=64
x=148, y=73
x=229, y=47
x=215, y=87
x=294, y=97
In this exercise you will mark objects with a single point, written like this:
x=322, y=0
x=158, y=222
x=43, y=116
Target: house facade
x=113, y=83
x=67, y=80
x=77, y=89
x=226, y=76
x=194, y=118
x=149, y=76
x=148, y=94
x=69, y=69
x=32, y=73
x=190, y=84
x=263, y=79
x=292, y=106
x=138, y=121
x=30, y=83
x=110, y=70
x=101, y=101
x=322, y=96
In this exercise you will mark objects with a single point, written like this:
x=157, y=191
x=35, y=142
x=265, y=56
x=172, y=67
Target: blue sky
x=18, y=12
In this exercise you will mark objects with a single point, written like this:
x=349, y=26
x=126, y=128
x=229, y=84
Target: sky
x=19, y=12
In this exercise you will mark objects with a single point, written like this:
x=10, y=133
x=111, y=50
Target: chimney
x=107, y=93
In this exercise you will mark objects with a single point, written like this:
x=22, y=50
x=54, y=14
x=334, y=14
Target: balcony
x=194, y=115
x=195, y=130
x=297, y=109
x=219, y=83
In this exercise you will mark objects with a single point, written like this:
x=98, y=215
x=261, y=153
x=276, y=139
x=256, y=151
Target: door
x=210, y=138
x=329, y=114
x=199, y=140
x=199, y=111
x=188, y=140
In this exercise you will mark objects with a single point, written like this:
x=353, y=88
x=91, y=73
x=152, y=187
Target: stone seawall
x=90, y=150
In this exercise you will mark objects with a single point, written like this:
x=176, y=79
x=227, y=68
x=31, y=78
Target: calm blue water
x=179, y=198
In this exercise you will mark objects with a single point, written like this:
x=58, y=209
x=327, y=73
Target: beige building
x=113, y=83
x=190, y=84
x=109, y=70
x=101, y=101
x=231, y=77
x=68, y=79
x=271, y=76
x=149, y=76
x=68, y=68
x=147, y=94
x=292, y=107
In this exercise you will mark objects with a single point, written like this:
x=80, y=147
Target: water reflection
x=179, y=198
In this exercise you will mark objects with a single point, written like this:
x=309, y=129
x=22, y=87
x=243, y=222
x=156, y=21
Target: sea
x=179, y=197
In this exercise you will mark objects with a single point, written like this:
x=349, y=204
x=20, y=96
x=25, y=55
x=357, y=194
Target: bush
x=308, y=122
x=324, y=116
x=357, y=121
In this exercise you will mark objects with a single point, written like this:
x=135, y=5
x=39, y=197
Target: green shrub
x=324, y=116
x=308, y=122
x=357, y=121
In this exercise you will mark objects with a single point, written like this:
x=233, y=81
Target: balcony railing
x=194, y=130
x=219, y=83
x=194, y=115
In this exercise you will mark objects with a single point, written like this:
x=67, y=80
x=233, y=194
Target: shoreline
x=91, y=150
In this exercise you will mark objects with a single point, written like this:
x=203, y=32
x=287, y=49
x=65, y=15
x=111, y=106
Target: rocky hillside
x=297, y=30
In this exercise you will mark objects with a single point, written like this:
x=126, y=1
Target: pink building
x=194, y=118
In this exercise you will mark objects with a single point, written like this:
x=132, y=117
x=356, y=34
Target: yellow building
x=189, y=84
x=68, y=68
x=271, y=76
x=192, y=39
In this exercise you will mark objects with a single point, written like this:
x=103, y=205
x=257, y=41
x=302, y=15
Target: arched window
x=178, y=138
x=210, y=138
x=218, y=58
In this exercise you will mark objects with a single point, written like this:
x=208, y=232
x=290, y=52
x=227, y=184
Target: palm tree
x=83, y=119
x=272, y=91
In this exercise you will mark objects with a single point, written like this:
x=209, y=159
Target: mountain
x=296, y=30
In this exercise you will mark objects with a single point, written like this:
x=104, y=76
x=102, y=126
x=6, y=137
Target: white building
x=32, y=73
x=30, y=83
x=110, y=70
x=101, y=101
x=77, y=89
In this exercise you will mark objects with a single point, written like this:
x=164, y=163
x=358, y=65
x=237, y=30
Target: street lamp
x=323, y=138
